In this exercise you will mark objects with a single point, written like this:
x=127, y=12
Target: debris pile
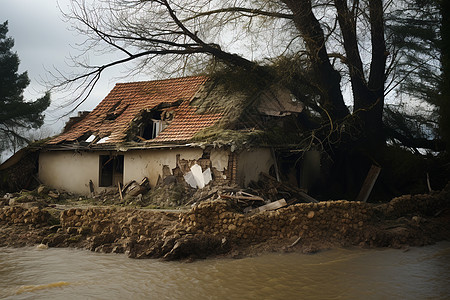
x=42, y=196
x=217, y=227
x=18, y=215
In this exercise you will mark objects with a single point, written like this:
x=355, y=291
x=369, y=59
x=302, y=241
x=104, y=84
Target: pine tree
x=16, y=114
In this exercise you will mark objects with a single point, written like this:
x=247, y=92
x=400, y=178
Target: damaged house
x=197, y=129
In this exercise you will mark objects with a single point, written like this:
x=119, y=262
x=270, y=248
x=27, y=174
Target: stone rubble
x=213, y=228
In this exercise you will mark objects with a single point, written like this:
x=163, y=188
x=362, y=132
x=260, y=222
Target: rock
x=42, y=247
x=231, y=227
x=99, y=240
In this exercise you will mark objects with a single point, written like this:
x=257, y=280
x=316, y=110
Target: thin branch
x=252, y=11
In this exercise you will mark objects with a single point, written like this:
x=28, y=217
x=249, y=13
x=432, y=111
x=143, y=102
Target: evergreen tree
x=419, y=30
x=16, y=114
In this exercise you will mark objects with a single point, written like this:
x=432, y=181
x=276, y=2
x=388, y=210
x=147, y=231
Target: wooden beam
x=275, y=164
x=254, y=198
x=291, y=189
x=270, y=206
x=120, y=191
x=368, y=184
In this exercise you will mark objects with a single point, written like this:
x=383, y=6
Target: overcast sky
x=43, y=42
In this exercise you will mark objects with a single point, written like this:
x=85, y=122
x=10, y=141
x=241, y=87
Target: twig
x=295, y=243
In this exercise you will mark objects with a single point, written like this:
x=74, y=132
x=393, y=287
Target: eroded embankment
x=213, y=228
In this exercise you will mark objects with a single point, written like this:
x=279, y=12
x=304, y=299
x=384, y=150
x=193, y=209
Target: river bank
x=215, y=228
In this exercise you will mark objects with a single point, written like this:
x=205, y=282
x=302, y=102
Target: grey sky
x=43, y=42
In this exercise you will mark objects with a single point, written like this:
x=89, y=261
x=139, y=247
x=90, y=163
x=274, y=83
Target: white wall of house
x=219, y=158
x=69, y=171
x=251, y=163
x=72, y=171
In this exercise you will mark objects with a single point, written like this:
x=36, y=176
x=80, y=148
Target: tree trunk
x=368, y=96
x=329, y=79
x=374, y=104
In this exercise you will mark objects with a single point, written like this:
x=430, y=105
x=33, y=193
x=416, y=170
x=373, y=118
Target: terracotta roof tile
x=127, y=100
x=186, y=124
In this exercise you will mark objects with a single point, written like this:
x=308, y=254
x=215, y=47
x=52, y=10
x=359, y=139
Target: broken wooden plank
x=193, y=200
x=242, y=193
x=368, y=184
x=270, y=206
x=120, y=192
x=275, y=164
x=254, y=198
x=289, y=188
x=126, y=186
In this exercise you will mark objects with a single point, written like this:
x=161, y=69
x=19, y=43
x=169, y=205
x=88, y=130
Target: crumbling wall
x=318, y=220
x=251, y=163
x=118, y=222
x=332, y=220
x=213, y=227
x=150, y=163
x=425, y=204
x=18, y=215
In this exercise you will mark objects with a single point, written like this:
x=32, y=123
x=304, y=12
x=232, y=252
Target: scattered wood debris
x=270, y=206
x=271, y=195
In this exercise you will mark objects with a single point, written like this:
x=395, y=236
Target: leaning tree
x=339, y=57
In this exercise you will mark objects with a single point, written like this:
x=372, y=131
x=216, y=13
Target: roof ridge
x=166, y=79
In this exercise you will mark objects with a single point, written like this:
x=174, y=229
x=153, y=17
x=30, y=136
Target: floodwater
x=420, y=273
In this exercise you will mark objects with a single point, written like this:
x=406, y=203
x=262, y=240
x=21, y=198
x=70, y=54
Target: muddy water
x=420, y=273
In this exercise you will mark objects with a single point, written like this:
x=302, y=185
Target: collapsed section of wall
x=213, y=227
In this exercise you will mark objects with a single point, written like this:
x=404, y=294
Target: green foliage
x=414, y=32
x=16, y=114
x=418, y=32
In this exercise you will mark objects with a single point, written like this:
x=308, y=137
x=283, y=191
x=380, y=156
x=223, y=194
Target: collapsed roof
x=176, y=111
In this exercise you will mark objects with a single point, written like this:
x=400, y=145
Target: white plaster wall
x=149, y=163
x=219, y=158
x=72, y=171
x=69, y=171
x=251, y=163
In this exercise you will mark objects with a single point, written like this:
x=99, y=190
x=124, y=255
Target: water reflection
x=420, y=273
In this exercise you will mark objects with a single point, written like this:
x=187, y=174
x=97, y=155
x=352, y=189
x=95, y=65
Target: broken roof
x=112, y=118
x=193, y=105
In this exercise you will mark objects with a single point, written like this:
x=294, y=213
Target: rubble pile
x=424, y=204
x=337, y=219
x=17, y=215
x=218, y=223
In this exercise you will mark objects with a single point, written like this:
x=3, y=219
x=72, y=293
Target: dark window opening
x=111, y=170
x=152, y=129
x=153, y=125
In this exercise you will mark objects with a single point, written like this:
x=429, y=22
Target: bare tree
x=334, y=43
